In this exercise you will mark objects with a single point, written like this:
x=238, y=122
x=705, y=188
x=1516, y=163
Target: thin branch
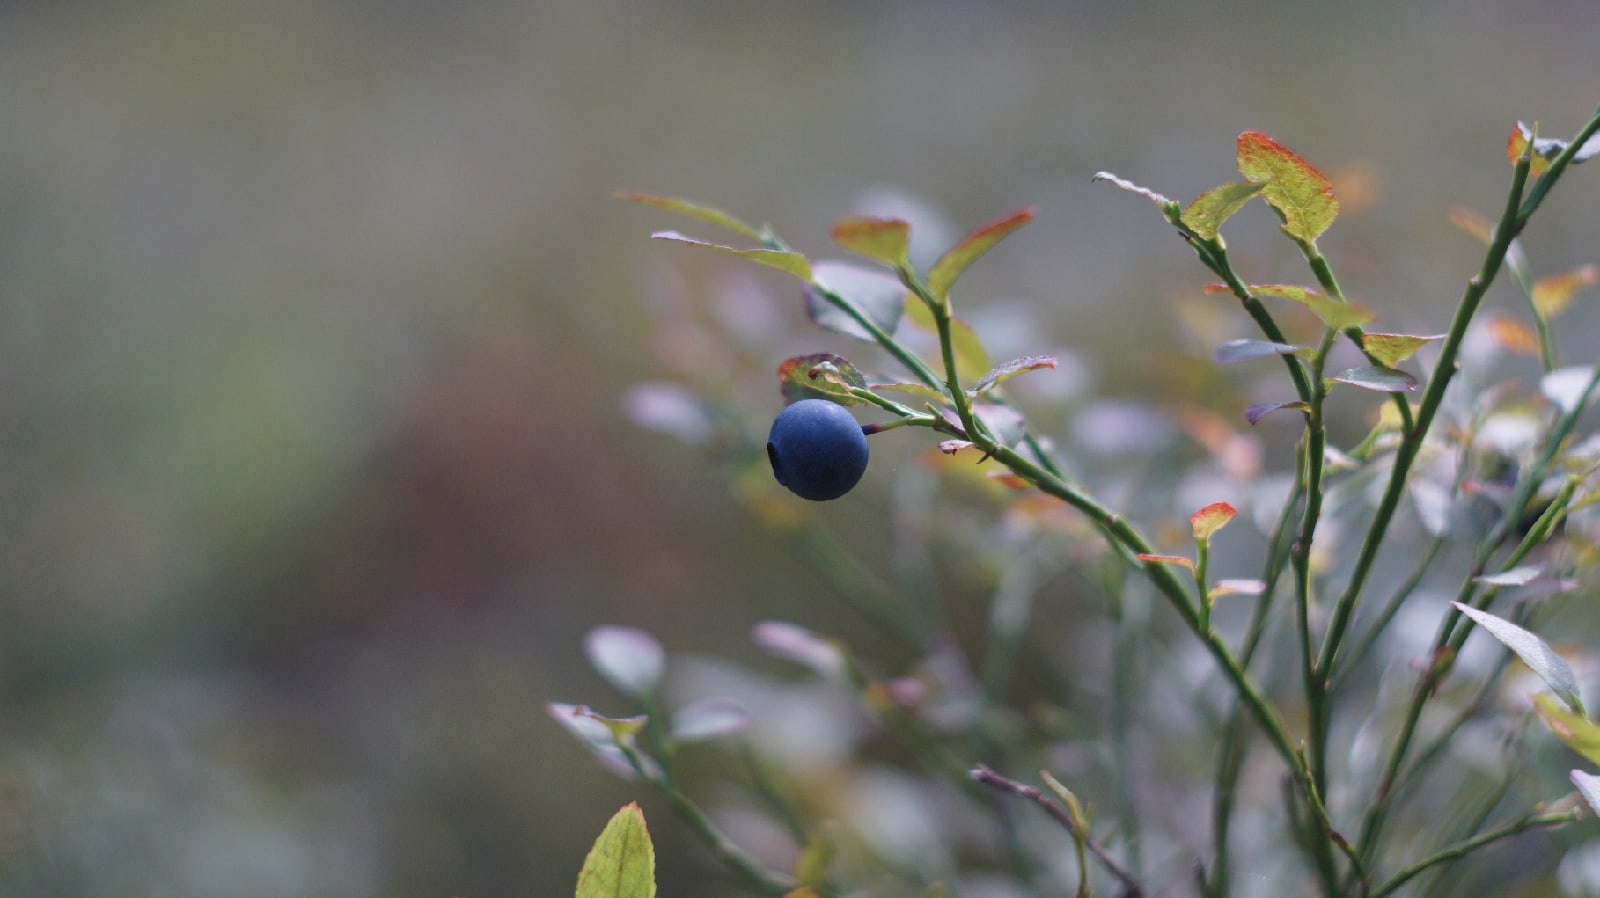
x=1058, y=813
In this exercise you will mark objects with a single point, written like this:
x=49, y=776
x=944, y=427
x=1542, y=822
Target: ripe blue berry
x=817, y=449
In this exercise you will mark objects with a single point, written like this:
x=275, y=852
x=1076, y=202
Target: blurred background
x=316, y=320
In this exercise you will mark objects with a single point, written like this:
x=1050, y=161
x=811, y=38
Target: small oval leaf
x=708, y=719
x=1551, y=295
x=1209, y=210
x=1005, y=372
x=886, y=240
x=783, y=260
x=1210, y=519
x=1302, y=195
x=1575, y=730
x=1382, y=380
x=1177, y=560
x=1589, y=787
x=1534, y=652
x=629, y=659
x=1568, y=388
x=622, y=862
x=820, y=375
x=802, y=646
x=1260, y=410
x=1235, y=351
x=693, y=210
x=1390, y=350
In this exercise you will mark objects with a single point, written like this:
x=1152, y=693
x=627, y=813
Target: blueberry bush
x=1321, y=722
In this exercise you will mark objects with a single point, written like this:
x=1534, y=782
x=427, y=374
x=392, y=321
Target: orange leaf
x=1210, y=519
x=1553, y=294
x=1513, y=336
x=1178, y=560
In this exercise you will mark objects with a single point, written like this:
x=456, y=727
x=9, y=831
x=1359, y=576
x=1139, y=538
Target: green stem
x=1411, y=442
x=1330, y=284
x=1547, y=179
x=1461, y=849
x=736, y=858
x=1231, y=753
x=1315, y=455
x=1447, y=644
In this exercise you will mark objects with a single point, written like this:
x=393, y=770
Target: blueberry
x=817, y=449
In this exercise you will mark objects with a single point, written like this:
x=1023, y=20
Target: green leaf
x=1335, y=314
x=622, y=729
x=783, y=260
x=1302, y=195
x=693, y=210
x=1534, y=652
x=885, y=240
x=971, y=248
x=622, y=863
x=971, y=357
x=1575, y=730
x=1249, y=350
x=878, y=295
x=1210, y=209
x=1131, y=187
x=1075, y=812
x=1389, y=350
x=1377, y=379
x=812, y=867
x=919, y=390
x=1005, y=372
x=821, y=375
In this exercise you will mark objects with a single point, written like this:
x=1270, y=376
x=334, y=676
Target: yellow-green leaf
x=1552, y=295
x=1390, y=350
x=1302, y=195
x=812, y=866
x=885, y=240
x=1576, y=731
x=1210, y=209
x=821, y=375
x=950, y=265
x=1210, y=519
x=1335, y=314
x=622, y=863
x=693, y=210
x=783, y=260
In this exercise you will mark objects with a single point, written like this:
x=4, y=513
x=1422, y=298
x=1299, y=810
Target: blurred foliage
x=314, y=317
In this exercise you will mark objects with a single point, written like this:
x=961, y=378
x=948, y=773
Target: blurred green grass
x=314, y=319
